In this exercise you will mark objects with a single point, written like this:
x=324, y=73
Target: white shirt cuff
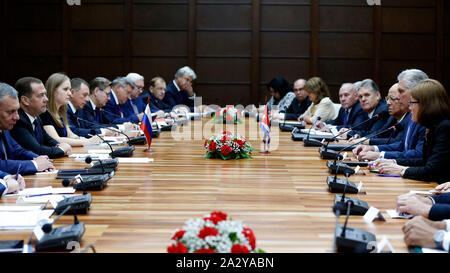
x=376, y=149
x=381, y=155
x=35, y=165
x=448, y=224
x=3, y=182
x=121, y=127
x=446, y=242
x=103, y=130
x=192, y=97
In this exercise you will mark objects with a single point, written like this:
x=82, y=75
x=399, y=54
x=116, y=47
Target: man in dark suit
x=350, y=113
x=115, y=109
x=28, y=131
x=157, y=90
x=79, y=98
x=180, y=91
x=400, y=116
x=13, y=157
x=136, y=102
x=411, y=145
x=300, y=104
x=94, y=120
x=376, y=109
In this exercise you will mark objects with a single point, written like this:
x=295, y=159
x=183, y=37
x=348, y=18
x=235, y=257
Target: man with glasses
x=412, y=142
x=136, y=102
x=300, y=104
x=180, y=91
x=400, y=116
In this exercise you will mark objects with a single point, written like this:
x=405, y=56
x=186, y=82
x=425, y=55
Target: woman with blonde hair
x=430, y=107
x=55, y=120
x=321, y=106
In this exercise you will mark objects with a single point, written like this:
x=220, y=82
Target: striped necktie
x=37, y=133
x=408, y=132
x=3, y=150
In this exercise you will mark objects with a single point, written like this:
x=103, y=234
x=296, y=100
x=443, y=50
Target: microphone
x=141, y=140
x=110, y=163
x=358, y=207
x=331, y=154
x=312, y=142
x=91, y=182
x=120, y=152
x=348, y=239
x=57, y=239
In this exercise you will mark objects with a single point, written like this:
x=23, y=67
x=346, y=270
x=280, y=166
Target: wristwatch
x=439, y=238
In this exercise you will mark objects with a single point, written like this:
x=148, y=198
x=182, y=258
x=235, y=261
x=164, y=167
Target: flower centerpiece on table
x=228, y=115
x=227, y=146
x=213, y=233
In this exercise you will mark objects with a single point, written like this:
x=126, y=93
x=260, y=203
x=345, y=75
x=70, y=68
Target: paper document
x=395, y=215
x=43, y=190
x=47, y=173
x=134, y=160
x=23, y=219
x=19, y=208
x=52, y=198
x=82, y=157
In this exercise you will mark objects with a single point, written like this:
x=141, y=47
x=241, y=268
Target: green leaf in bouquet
x=232, y=236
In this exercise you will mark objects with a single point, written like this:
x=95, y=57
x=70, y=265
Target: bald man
x=300, y=104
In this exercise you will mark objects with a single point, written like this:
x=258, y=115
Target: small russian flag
x=146, y=125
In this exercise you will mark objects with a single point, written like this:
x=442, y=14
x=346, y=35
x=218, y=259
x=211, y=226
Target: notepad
x=134, y=160
x=19, y=208
x=23, y=219
x=43, y=190
x=395, y=215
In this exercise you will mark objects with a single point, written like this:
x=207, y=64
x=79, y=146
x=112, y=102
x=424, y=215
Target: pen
x=18, y=170
x=35, y=195
x=389, y=175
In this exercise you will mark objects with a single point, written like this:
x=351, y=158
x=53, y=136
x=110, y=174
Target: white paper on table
x=421, y=192
x=19, y=208
x=99, y=151
x=394, y=214
x=52, y=198
x=114, y=138
x=23, y=219
x=134, y=159
x=432, y=250
x=82, y=157
x=43, y=190
x=47, y=173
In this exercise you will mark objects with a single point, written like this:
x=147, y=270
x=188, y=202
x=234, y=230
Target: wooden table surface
x=281, y=196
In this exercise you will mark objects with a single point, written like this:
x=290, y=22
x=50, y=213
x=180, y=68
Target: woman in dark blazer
x=430, y=107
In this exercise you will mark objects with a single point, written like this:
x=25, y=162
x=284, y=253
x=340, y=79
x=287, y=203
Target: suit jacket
x=416, y=140
x=80, y=127
x=356, y=116
x=97, y=119
x=375, y=124
x=23, y=134
x=174, y=97
x=392, y=136
x=113, y=112
x=157, y=105
x=441, y=209
x=3, y=174
x=296, y=109
x=128, y=112
x=17, y=156
x=432, y=166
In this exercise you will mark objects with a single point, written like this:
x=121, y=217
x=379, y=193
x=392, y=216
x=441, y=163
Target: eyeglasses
x=411, y=103
x=392, y=98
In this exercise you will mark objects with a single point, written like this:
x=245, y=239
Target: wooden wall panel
x=233, y=45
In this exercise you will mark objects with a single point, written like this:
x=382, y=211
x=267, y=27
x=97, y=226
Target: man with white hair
x=412, y=143
x=135, y=101
x=180, y=91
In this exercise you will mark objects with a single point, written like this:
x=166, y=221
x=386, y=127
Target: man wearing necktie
x=412, y=143
x=28, y=131
x=350, y=113
x=13, y=158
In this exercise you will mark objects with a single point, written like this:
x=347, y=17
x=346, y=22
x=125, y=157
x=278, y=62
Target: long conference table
x=282, y=196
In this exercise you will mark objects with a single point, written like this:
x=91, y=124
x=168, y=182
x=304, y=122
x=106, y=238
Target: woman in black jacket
x=430, y=107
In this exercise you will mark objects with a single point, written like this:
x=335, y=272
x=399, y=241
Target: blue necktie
x=408, y=135
x=37, y=134
x=3, y=151
x=346, y=117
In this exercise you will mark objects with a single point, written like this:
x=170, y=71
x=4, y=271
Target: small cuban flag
x=146, y=125
x=265, y=126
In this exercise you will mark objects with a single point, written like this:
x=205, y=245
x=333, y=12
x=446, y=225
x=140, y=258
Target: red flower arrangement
x=227, y=146
x=213, y=233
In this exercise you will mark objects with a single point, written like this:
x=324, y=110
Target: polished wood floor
x=282, y=196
